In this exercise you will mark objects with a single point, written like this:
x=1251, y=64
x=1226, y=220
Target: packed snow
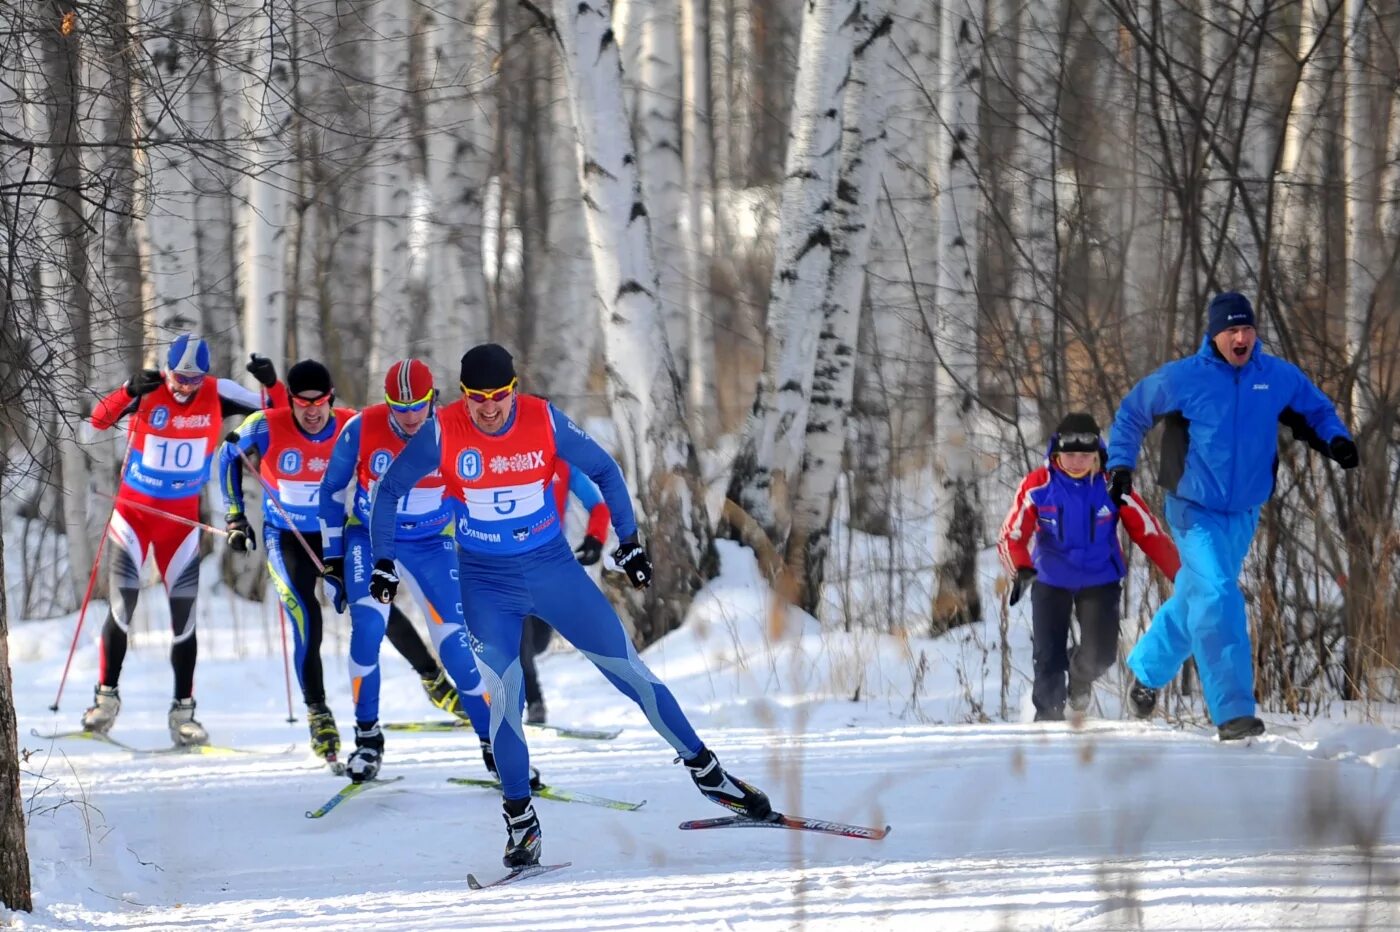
x=996, y=824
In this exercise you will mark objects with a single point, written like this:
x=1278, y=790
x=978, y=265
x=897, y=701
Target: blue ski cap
x=1228, y=309
x=189, y=355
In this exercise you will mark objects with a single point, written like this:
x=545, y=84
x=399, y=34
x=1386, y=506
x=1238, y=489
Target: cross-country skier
x=496, y=452
x=175, y=423
x=291, y=448
x=421, y=522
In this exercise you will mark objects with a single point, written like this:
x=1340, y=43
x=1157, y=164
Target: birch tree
x=765, y=470
x=14, y=855
x=862, y=155
x=956, y=502
x=697, y=243
x=643, y=388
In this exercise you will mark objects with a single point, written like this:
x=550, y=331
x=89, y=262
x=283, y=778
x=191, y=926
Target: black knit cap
x=487, y=366
x=1069, y=436
x=309, y=376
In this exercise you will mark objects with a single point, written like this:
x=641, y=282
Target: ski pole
x=178, y=519
x=92, y=579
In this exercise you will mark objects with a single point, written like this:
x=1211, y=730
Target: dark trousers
x=1096, y=608
x=534, y=638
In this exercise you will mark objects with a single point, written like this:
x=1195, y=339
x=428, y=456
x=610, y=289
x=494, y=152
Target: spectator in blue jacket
x=1061, y=539
x=1222, y=407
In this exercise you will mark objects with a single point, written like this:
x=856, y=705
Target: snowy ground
x=996, y=825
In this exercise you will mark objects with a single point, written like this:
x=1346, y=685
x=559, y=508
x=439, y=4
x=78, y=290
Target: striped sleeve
x=1147, y=532
x=1018, y=530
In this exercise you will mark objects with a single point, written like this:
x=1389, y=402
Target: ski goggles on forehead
x=495, y=394
x=408, y=407
x=316, y=402
x=1079, y=443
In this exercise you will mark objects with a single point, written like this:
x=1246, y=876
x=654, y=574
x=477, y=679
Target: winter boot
x=1052, y=714
x=522, y=834
x=325, y=737
x=106, y=703
x=488, y=757
x=1141, y=699
x=535, y=713
x=364, y=761
x=443, y=694
x=184, y=730
x=1080, y=696
x=1245, y=726
x=723, y=788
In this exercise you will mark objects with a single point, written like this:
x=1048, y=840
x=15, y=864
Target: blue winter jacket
x=1220, y=446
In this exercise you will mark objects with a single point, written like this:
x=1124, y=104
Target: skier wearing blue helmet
x=1222, y=407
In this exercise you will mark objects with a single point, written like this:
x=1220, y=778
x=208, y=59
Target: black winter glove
x=333, y=574
x=590, y=551
x=1120, y=484
x=262, y=369
x=631, y=557
x=240, y=533
x=1344, y=453
x=1024, y=576
x=384, y=581
x=147, y=380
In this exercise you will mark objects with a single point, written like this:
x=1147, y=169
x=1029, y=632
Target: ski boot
x=185, y=732
x=443, y=694
x=535, y=713
x=1141, y=699
x=522, y=834
x=723, y=788
x=1055, y=713
x=364, y=761
x=106, y=703
x=1245, y=726
x=488, y=757
x=1080, y=696
x=325, y=737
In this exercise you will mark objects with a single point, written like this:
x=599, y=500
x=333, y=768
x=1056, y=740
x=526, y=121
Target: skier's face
x=410, y=421
x=1077, y=464
x=312, y=410
x=491, y=410
x=1236, y=344
x=183, y=386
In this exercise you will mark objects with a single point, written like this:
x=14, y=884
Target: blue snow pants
x=428, y=568
x=497, y=594
x=1205, y=616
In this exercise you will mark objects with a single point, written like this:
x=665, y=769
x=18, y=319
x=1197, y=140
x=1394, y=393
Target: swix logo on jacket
x=425, y=510
x=501, y=482
x=294, y=464
x=172, y=444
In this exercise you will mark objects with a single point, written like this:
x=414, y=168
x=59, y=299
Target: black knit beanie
x=309, y=376
x=1070, y=435
x=486, y=367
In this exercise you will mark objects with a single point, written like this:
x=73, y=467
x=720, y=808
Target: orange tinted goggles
x=495, y=394
x=312, y=402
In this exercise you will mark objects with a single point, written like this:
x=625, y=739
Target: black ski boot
x=443, y=694
x=522, y=834
x=364, y=761
x=489, y=759
x=535, y=713
x=1245, y=726
x=723, y=788
x=1142, y=700
x=1052, y=714
x=325, y=736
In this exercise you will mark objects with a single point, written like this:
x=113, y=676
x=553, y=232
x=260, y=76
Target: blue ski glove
x=333, y=574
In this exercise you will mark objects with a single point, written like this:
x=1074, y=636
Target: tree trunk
x=765, y=470
x=657, y=453
x=14, y=855
x=956, y=502
x=697, y=238
x=862, y=156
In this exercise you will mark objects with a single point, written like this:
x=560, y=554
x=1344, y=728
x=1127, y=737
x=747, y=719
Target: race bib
x=505, y=503
x=421, y=501
x=174, y=455
x=299, y=494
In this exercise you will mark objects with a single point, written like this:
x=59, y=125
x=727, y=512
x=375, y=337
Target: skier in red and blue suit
x=421, y=521
x=497, y=452
x=176, y=417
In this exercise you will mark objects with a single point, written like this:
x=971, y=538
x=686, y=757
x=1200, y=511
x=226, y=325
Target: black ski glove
x=240, y=533
x=384, y=581
x=262, y=369
x=1120, y=485
x=147, y=380
x=631, y=557
x=1024, y=576
x=333, y=574
x=590, y=551
x=1344, y=453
